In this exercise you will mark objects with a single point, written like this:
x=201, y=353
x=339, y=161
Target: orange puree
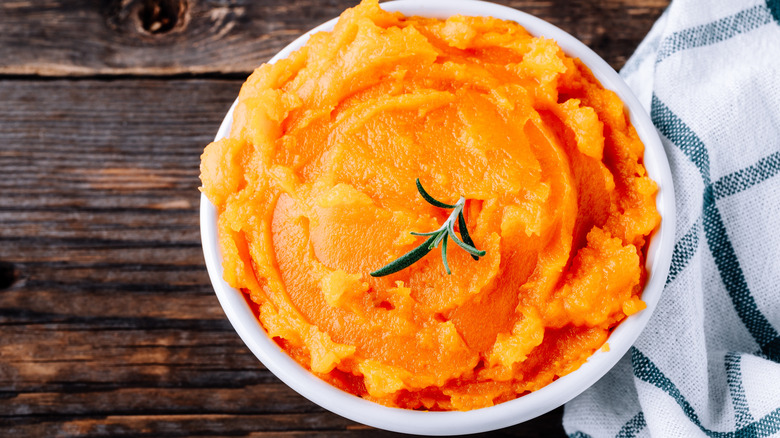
x=315, y=189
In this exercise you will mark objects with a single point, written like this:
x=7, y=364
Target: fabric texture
x=708, y=364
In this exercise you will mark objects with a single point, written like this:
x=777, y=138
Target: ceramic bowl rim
x=511, y=412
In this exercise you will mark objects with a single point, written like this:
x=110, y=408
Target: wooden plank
x=172, y=425
x=98, y=204
x=109, y=323
x=266, y=398
x=308, y=425
x=175, y=37
x=87, y=356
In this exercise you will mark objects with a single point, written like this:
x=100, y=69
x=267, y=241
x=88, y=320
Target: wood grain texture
x=131, y=37
x=109, y=325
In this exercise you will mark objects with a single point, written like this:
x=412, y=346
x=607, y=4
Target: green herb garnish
x=442, y=235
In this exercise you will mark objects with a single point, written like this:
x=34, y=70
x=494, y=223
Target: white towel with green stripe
x=708, y=363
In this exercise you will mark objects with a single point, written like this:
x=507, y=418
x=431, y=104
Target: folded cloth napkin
x=708, y=363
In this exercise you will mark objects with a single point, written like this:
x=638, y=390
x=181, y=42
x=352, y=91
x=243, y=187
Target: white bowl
x=511, y=412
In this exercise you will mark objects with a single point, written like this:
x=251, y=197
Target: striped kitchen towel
x=708, y=363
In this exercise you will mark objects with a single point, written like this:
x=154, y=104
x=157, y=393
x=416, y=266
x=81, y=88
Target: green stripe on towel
x=733, y=363
x=774, y=7
x=746, y=178
x=684, y=250
x=716, y=31
x=646, y=370
x=633, y=426
x=682, y=136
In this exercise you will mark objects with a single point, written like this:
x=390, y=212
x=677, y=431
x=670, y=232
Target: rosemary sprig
x=442, y=235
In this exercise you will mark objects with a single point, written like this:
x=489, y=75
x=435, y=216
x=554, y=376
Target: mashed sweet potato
x=315, y=189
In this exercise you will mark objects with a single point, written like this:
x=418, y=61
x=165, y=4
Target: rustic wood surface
x=108, y=322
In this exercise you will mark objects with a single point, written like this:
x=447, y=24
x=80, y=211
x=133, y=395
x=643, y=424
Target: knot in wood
x=148, y=19
x=161, y=16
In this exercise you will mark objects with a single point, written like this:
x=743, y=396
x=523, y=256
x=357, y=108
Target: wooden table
x=108, y=322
